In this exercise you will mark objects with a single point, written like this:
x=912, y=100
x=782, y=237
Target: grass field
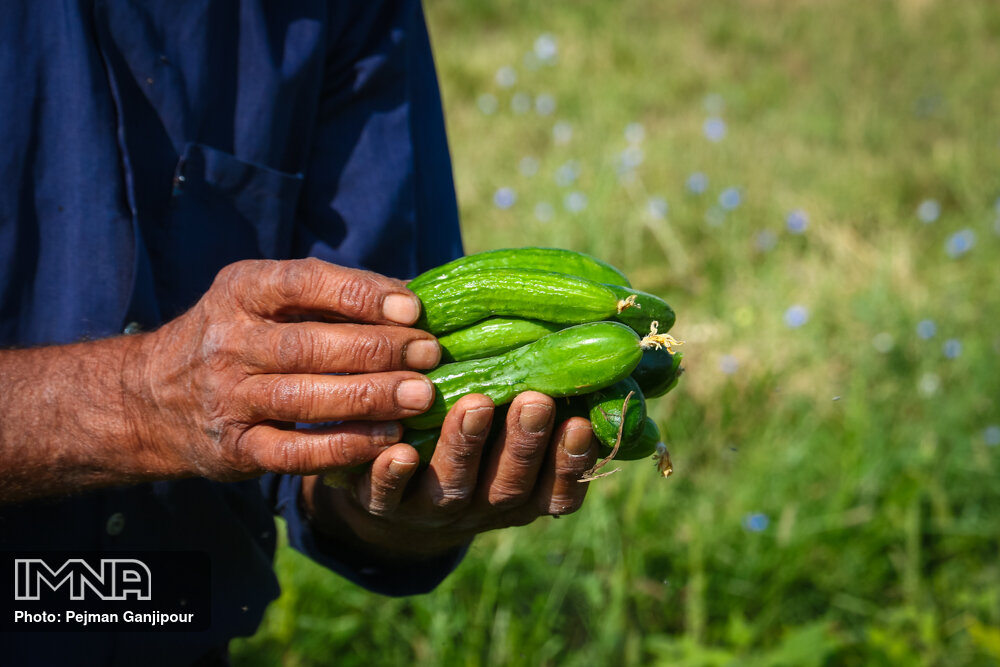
x=815, y=187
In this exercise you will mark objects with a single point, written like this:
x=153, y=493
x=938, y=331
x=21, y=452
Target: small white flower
x=796, y=316
x=928, y=211
x=504, y=198
x=506, y=76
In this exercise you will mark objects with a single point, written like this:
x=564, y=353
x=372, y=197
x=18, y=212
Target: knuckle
x=293, y=278
x=358, y=294
x=237, y=283
x=382, y=491
x=239, y=455
x=576, y=469
x=505, y=495
x=281, y=456
x=524, y=453
x=219, y=344
x=377, y=507
x=229, y=273
x=341, y=451
x=374, y=349
x=292, y=349
x=384, y=485
x=365, y=398
x=569, y=469
x=300, y=455
x=449, y=500
x=284, y=393
x=463, y=454
x=286, y=456
x=236, y=274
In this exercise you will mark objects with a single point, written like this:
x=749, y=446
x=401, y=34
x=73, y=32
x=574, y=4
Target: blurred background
x=815, y=188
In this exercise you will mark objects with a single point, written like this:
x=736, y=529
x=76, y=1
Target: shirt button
x=132, y=328
x=115, y=524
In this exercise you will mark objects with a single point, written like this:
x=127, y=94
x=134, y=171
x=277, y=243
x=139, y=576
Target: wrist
x=146, y=431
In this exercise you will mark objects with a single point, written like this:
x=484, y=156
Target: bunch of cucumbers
x=559, y=322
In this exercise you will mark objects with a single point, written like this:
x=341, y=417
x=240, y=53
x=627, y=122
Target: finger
x=320, y=347
x=288, y=288
x=320, y=398
x=451, y=480
x=267, y=447
x=381, y=489
x=559, y=491
x=513, y=468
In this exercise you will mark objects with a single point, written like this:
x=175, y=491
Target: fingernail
x=576, y=441
x=401, y=468
x=476, y=421
x=422, y=353
x=534, y=417
x=414, y=394
x=387, y=431
x=401, y=308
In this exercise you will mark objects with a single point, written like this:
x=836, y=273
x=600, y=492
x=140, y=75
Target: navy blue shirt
x=145, y=145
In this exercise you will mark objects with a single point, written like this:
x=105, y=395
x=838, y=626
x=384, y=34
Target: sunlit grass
x=836, y=496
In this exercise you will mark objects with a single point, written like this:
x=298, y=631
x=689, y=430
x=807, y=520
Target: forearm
x=64, y=420
x=210, y=393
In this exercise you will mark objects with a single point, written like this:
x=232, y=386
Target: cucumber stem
x=662, y=460
x=591, y=474
x=657, y=340
x=628, y=302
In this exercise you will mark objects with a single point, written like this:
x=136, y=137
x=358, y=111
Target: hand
x=215, y=391
x=530, y=470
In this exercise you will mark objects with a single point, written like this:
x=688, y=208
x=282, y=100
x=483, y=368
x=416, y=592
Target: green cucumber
x=658, y=372
x=645, y=309
x=454, y=303
x=422, y=440
x=638, y=448
x=571, y=362
x=605, y=406
x=545, y=259
x=492, y=337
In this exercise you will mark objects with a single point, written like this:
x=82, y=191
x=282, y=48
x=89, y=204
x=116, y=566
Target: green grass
x=871, y=462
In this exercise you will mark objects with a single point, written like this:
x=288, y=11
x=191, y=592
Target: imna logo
x=113, y=579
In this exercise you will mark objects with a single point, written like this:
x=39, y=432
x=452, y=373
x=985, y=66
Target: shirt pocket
x=223, y=209
x=242, y=197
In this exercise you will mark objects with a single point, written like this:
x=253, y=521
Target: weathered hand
x=530, y=470
x=215, y=391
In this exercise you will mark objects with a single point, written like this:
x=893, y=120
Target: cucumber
x=658, y=371
x=571, y=362
x=545, y=259
x=422, y=440
x=605, y=411
x=638, y=448
x=454, y=303
x=492, y=337
x=645, y=309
